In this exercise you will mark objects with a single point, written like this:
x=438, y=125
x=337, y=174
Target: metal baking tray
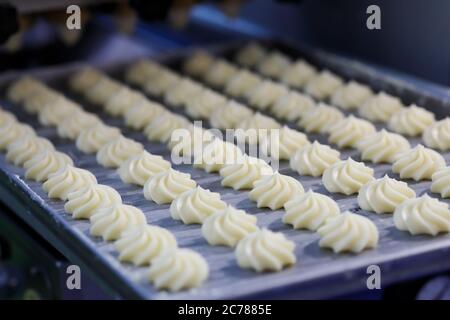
x=318, y=273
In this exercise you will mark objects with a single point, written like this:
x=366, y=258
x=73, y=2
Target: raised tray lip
x=33, y=210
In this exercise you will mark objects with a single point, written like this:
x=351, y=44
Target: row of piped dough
x=221, y=224
x=110, y=218
x=381, y=146
x=292, y=105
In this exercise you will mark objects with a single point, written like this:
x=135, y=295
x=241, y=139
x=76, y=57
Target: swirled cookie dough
x=161, y=127
x=348, y=232
x=229, y=115
x=137, y=169
x=298, y=74
x=12, y=131
x=109, y=222
x=320, y=119
x=347, y=177
x=437, y=135
x=313, y=159
x=323, y=85
x=204, y=103
x=384, y=195
x=292, y=106
x=43, y=164
x=179, y=269
x=228, y=226
x=310, y=210
x=195, y=205
x=424, y=215
x=441, y=182
x=181, y=92
x=78, y=121
x=411, y=121
x=241, y=83
x=166, y=186
x=215, y=155
x=250, y=55
x=419, y=163
x=69, y=179
x=380, y=107
x=254, y=128
x=198, y=63
x=349, y=131
x=84, y=79
x=383, y=146
x=54, y=113
x=244, y=173
x=351, y=95
x=141, y=114
x=274, y=64
x=219, y=73
x=91, y=139
x=82, y=203
x=141, y=244
x=116, y=152
x=275, y=190
x=265, y=94
x=27, y=146
x=284, y=144
x=265, y=250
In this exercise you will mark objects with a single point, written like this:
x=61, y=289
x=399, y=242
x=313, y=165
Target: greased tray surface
x=317, y=273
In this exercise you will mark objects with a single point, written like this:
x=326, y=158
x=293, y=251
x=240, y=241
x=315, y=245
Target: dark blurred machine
x=413, y=39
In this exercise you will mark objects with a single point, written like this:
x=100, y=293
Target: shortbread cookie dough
x=229, y=115
x=161, y=127
x=181, y=92
x=109, y=222
x=27, y=146
x=43, y=164
x=383, y=146
x=384, y=195
x=102, y=91
x=424, y=215
x=254, y=128
x=351, y=95
x=275, y=190
x=292, y=106
x=349, y=131
x=283, y=144
x=441, y=182
x=380, y=107
x=84, y=79
x=162, y=84
x=141, y=244
x=91, y=139
x=323, y=85
x=78, y=120
x=228, y=226
x=180, y=269
x=166, y=186
x=138, y=168
x=348, y=232
x=198, y=63
x=265, y=250
x=215, y=155
x=203, y=105
x=195, y=205
x=13, y=131
x=54, y=113
x=243, y=174
x=250, y=55
x=437, y=135
x=141, y=114
x=313, y=159
x=142, y=71
x=320, y=119
x=274, y=64
x=242, y=82
x=266, y=93
x=82, y=203
x=419, y=163
x=219, y=73
x=116, y=152
x=298, y=74
x=411, y=121
x=347, y=177
x=310, y=210
x=67, y=180
x=120, y=102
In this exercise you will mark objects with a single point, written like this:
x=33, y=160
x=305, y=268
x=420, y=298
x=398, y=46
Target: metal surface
x=318, y=273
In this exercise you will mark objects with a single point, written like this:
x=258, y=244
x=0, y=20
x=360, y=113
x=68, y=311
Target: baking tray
x=318, y=273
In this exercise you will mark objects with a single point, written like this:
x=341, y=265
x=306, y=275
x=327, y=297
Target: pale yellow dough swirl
x=275, y=190
x=419, y=163
x=91, y=139
x=349, y=131
x=119, y=103
x=84, y=79
x=161, y=127
x=43, y=164
x=323, y=85
x=265, y=250
x=140, y=115
x=162, y=83
x=219, y=73
x=241, y=83
x=310, y=210
x=383, y=146
x=166, y=186
x=12, y=131
x=228, y=226
x=109, y=222
x=274, y=64
x=195, y=205
x=141, y=244
x=116, y=152
x=27, y=146
x=347, y=177
x=441, y=182
x=140, y=72
x=313, y=159
x=284, y=144
x=181, y=92
x=348, y=232
x=250, y=55
x=380, y=107
x=292, y=106
x=138, y=168
x=177, y=270
x=437, y=135
x=203, y=105
x=82, y=203
x=102, y=91
x=243, y=174
x=424, y=215
x=229, y=115
x=215, y=155
x=198, y=63
x=265, y=94
x=298, y=74
x=320, y=119
x=58, y=110
x=351, y=95
x=78, y=121
x=411, y=121
x=254, y=128
x=67, y=180
x=384, y=195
